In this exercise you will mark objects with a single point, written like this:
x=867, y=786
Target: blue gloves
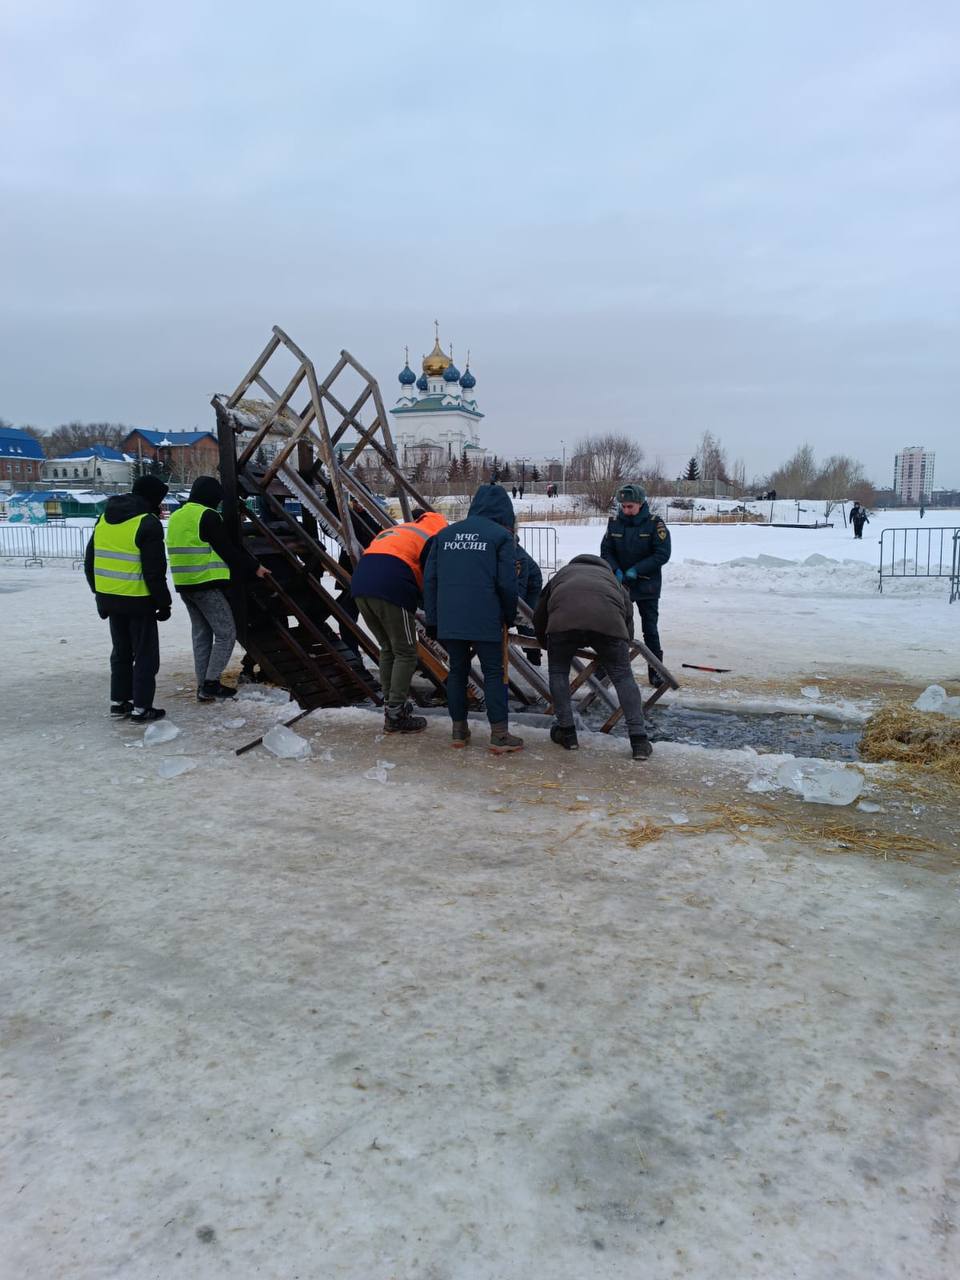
x=619, y=573
x=631, y=574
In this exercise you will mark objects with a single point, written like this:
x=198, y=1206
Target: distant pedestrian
x=470, y=597
x=126, y=568
x=203, y=561
x=583, y=605
x=387, y=585
x=858, y=518
x=513, y=492
x=922, y=511
x=521, y=491
x=636, y=545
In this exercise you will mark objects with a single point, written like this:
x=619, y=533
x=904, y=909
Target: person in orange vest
x=387, y=585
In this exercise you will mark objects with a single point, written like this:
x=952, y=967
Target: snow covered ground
x=282, y=1018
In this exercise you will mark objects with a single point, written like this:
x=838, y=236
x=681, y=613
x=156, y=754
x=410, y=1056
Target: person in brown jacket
x=584, y=606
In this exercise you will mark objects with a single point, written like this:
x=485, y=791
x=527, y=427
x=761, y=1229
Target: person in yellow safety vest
x=387, y=585
x=126, y=569
x=202, y=561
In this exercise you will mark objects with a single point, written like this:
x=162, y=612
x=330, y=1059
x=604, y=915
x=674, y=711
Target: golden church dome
x=435, y=363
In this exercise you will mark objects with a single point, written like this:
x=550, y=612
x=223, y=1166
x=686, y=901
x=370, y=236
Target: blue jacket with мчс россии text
x=470, y=581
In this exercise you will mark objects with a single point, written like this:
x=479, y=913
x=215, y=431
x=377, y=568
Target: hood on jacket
x=207, y=490
x=493, y=502
x=431, y=522
x=124, y=506
x=595, y=560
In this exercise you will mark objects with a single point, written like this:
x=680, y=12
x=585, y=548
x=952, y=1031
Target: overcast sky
x=665, y=216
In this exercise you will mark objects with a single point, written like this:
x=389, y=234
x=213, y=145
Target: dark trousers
x=649, y=611
x=134, y=659
x=614, y=656
x=490, y=653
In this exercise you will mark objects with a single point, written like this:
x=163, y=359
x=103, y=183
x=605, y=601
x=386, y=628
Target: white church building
x=436, y=418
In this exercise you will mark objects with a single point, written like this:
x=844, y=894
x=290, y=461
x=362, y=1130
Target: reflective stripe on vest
x=405, y=542
x=117, y=570
x=192, y=561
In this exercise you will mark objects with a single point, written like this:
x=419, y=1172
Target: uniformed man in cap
x=636, y=545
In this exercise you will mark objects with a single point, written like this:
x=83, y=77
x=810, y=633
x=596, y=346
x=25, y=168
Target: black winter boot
x=141, y=715
x=120, y=710
x=213, y=690
x=461, y=734
x=564, y=737
x=398, y=717
x=502, y=741
x=640, y=746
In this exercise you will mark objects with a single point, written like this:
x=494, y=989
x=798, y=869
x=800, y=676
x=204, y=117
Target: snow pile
x=286, y=744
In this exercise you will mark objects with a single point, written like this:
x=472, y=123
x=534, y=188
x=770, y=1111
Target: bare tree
x=607, y=462
x=795, y=477
x=712, y=459
x=738, y=478
x=836, y=480
x=653, y=478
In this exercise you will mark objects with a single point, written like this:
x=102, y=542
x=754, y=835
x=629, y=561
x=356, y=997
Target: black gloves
x=163, y=613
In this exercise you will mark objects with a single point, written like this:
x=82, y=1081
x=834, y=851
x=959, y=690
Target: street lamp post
x=563, y=469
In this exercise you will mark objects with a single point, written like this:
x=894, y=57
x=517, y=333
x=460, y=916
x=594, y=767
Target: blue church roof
x=177, y=439
x=101, y=451
x=451, y=373
x=17, y=444
x=407, y=376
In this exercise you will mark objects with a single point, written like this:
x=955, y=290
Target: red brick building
x=183, y=454
x=21, y=457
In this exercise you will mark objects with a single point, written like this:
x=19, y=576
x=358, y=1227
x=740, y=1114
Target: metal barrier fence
x=921, y=553
x=35, y=543
x=540, y=542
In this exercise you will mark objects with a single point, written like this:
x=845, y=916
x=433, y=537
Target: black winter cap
x=207, y=490
x=151, y=489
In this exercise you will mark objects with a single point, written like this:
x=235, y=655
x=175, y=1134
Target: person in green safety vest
x=126, y=569
x=202, y=561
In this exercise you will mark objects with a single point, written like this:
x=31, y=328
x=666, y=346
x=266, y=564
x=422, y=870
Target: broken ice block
x=286, y=744
x=173, y=766
x=820, y=782
x=160, y=731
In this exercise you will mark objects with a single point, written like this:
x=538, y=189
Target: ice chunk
x=820, y=781
x=286, y=744
x=932, y=698
x=160, y=731
x=236, y=723
x=816, y=559
x=775, y=562
x=376, y=775
x=810, y=691
x=868, y=806
x=173, y=766
x=678, y=819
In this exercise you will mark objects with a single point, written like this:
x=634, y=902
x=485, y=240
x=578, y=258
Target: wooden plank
x=254, y=370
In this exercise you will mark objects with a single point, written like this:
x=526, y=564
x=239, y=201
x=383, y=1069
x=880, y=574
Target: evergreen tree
x=535, y=475
x=454, y=473
x=693, y=470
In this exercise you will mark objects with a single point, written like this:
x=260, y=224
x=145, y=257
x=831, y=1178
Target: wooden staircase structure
x=295, y=630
